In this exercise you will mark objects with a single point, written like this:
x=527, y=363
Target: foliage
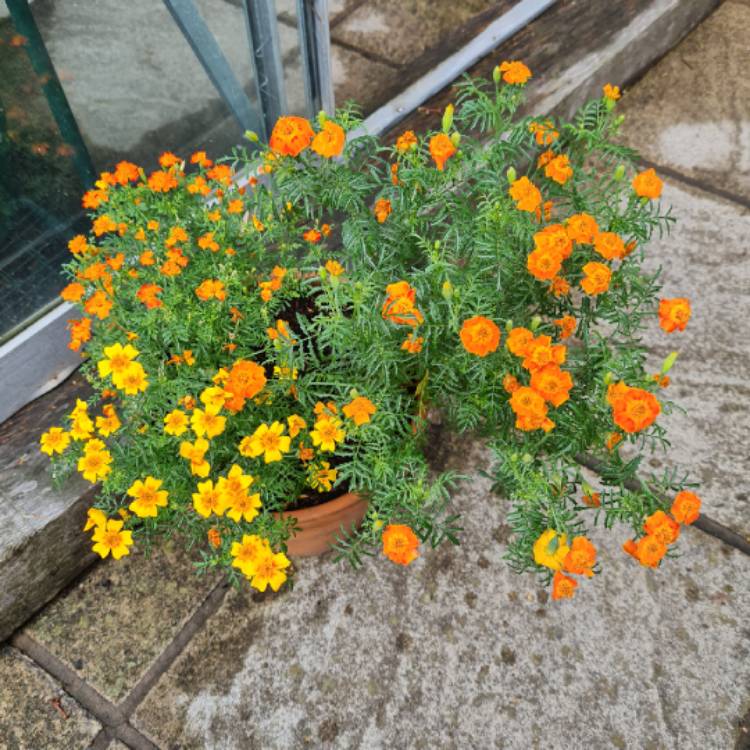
x=424, y=274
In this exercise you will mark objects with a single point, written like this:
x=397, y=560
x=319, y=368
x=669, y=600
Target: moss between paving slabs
x=112, y=624
x=35, y=712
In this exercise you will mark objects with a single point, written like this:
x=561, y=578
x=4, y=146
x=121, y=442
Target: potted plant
x=259, y=344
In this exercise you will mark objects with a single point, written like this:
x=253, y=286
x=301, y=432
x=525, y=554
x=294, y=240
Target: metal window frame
x=37, y=359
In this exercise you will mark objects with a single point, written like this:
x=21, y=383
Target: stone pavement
x=457, y=651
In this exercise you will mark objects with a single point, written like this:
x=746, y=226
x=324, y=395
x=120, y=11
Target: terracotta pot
x=319, y=526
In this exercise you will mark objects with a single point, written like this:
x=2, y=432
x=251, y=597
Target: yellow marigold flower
x=148, y=497
x=248, y=552
x=267, y=440
x=322, y=477
x=55, y=440
x=176, y=422
x=112, y=538
x=209, y=499
x=81, y=427
x=327, y=433
x=133, y=380
x=95, y=517
x=334, y=268
x=95, y=462
x=214, y=397
x=234, y=488
x=550, y=549
x=296, y=423
x=258, y=224
x=207, y=422
x=118, y=359
x=269, y=571
x=109, y=422
x=360, y=410
x=195, y=453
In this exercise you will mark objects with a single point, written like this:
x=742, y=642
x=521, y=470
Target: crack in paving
x=115, y=719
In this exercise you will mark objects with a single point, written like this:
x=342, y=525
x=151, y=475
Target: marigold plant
x=271, y=330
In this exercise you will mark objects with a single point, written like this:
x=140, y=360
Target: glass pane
x=135, y=88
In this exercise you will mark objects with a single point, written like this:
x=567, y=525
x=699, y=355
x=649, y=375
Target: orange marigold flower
x=554, y=237
x=544, y=133
x=291, y=136
x=662, y=526
x=525, y=194
x=613, y=439
x=214, y=537
x=441, y=149
x=633, y=409
x=168, y=159
x=207, y=242
x=567, y=325
x=630, y=548
x=406, y=141
x=529, y=408
x=125, y=172
x=200, y=158
x=515, y=72
x=382, y=210
x=78, y=245
x=312, y=235
x=162, y=182
x=394, y=174
x=609, y=245
x=73, y=292
x=400, y=304
x=147, y=294
x=582, y=228
x=175, y=262
x=103, y=224
x=480, y=336
x=559, y=169
x=211, y=288
x=674, y=314
x=540, y=352
x=593, y=500
x=544, y=263
x=545, y=208
x=510, y=383
x=359, y=410
x=329, y=142
x=80, y=333
x=146, y=258
x=400, y=544
x=220, y=173
x=686, y=507
x=611, y=92
x=647, y=184
x=334, y=267
x=235, y=206
x=552, y=384
x=413, y=344
x=519, y=340
x=94, y=198
x=649, y=551
x=581, y=558
x=198, y=185
x=98, y=304
x=563, y=587
x=246, y=380
x=597, y=278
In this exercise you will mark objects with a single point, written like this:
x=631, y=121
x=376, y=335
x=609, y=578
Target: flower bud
x=251, y=135
x=448, y=118
x=511, y=174
x=447, y=289
x=536, y=321
x=527, y=458
x=508, y=326
x=610, y=104
x=669, y=362
x=619, y=172
x=587, y=488
x=608, y=378
x=619, y=120
x=322, y=117
x=455, y=139
x=496, y=73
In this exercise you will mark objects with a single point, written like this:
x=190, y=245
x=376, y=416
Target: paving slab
x=457, y=651
x=401, y=30
x=113, y=622
x=35, y=712
x=705, y=259
x=691, y=111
